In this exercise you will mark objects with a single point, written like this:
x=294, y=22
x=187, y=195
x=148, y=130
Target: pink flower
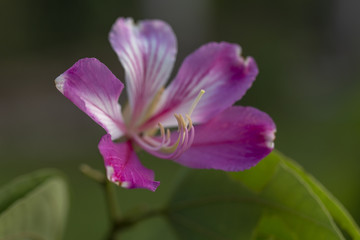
x=230, y=138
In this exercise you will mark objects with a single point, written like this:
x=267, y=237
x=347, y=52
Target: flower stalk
x=110, y=196
x=117, y=222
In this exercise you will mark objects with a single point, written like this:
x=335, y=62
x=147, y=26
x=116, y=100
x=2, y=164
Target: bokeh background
x=308, y=54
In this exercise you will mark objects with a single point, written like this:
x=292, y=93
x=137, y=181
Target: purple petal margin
x=217, y=68
x=123, y=166
x=92, y=87
x=234, y=140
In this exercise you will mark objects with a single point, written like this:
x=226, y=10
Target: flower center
x=167, y=146
x=152, y=106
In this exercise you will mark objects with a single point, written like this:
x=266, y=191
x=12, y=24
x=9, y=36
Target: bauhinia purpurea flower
x=230, y=138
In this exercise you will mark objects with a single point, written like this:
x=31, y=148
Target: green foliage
x=209, y=205
x=34, y=207
x=274, y=200
x=337, y=211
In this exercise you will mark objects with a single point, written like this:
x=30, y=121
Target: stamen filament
x=162, y=148
x=185, y=139
x=175, y=146
x=168, y=134
x=162, y=130
x=202, y=91
x=151, y=108
x=189, y=121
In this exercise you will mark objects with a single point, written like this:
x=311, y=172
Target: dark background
x=307, y=51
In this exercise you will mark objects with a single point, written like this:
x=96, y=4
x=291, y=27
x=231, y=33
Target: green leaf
x=274, y=200
x=291, y=201
x=273, y=227
x=336, y=209
x=310, y=190
x=34, y=206
x=207, y=204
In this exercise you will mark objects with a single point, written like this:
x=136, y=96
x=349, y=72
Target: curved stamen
x=153, y=144
x=172, y=148
x=163, y=148
x=189, y=121
x=197, y=99
x=168, y=135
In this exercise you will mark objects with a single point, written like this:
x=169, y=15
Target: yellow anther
x=189, y=121
x=178, y=121
x=175, y=145
x=183, y=123
x=184, y=126
x=168, y=134
x=172, y=148
x=202, y=91
x=162, y=130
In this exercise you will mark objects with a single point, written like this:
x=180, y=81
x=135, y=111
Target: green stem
x=132, y=220
x=112, y=203
x=110, y=196
x=94, y=174
x=117, y=222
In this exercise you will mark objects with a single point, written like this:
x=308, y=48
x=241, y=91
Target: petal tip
x=269, y=139
x=251, y=66
x=60, y=82
x=120, y=23
x=126, y=185
x=127, y=21
x=109, y=172
x=154, y=186
x=129, y=185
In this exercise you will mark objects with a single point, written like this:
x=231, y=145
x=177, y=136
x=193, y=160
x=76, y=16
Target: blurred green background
x=308, y=54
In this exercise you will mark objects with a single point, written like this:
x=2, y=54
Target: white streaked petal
x=217, y=68
x=92, y=87
x=147, y=52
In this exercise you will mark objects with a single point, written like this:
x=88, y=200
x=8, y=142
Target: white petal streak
x=147, y=51
x=92, y=87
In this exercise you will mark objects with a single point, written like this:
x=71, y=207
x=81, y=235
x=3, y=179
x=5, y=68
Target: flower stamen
x=189, y=121
x=202, y=91
x=152, y=106
x=161, y=147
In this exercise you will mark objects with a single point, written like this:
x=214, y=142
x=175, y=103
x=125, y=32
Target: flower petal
x=217, y=68
x=123, y=166
x=147, y=52
x=91, y=86
x=234, y=140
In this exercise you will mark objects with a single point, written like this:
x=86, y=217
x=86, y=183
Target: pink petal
x=91, y=86
x=234, y=140
x=147, y=52
x=123, y=166
x=217, y=68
